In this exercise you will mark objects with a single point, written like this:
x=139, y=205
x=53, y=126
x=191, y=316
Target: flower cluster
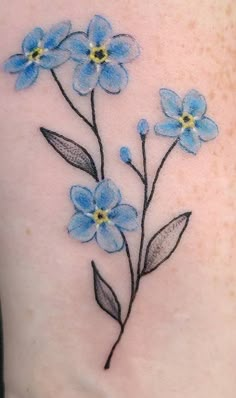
x=98, y=53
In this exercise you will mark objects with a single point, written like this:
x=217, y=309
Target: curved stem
x=97, y=134
x=68, y=100
x=159, y=170
x=143, y=212
x=132, y=292
x=136, y=171
x=146, y=204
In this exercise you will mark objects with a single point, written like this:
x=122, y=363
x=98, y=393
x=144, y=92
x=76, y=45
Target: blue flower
x=186, y=119
x=100, y=215
x=39, y=50
x=100, y=57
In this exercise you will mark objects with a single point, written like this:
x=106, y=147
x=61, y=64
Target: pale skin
x=180, y=341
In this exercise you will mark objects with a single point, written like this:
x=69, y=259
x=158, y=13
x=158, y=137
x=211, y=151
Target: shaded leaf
x=164, y=242
x=72, y=152
x=105, y=296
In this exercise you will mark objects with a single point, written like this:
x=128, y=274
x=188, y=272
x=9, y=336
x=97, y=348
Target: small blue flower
x=143, y=127
x=39, y=50
x=125, y=154
x=186, y=119
x=100, y=57
x=100, y=215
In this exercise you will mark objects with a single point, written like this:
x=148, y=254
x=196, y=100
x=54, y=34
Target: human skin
x=180, y=339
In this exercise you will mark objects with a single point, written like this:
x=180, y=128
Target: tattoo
x=100, y=213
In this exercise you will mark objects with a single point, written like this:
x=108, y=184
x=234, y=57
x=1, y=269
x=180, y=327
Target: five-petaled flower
x=101, y=215
x=186, y=119
x=100, y=57
x=40, y=50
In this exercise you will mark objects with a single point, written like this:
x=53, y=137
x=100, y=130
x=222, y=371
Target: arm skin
x=180, y=341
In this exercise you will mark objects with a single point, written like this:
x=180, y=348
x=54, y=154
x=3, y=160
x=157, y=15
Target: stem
x=159, y=170
x=132, y=292
x=146, y=204
x=95, y=129
x=68, y=100
x=143, y=137
x=136, y=171
x=92, y=125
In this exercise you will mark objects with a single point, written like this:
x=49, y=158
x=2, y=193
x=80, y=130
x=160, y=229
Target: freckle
x=28, y=231
x=232, y=293
x=212, y=95
x=228, y=10
x=192, y=24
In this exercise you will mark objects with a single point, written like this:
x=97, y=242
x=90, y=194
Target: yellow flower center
x=98, y=54
x=36, y=54
x=187, y=120
x=100, y=216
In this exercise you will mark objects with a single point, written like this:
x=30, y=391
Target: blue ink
x=100, y=57
x=125, y=154
x=40, y=50
x=143, y=127
x=100, y=215
x=186, y=120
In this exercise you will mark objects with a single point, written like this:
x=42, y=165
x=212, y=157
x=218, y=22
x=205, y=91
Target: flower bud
x=143, y=127
x=125, y=154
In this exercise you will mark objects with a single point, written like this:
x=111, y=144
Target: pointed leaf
x=72, y=152
x=164, y=242
x=105, y=296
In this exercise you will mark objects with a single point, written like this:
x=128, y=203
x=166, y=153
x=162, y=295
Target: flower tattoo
x=186, y=119
x=39, y=50
x=100, y=215
x=100, y=57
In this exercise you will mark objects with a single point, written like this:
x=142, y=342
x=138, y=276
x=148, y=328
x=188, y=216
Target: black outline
x=46, y=133
x=96, y=273
x=187, y=215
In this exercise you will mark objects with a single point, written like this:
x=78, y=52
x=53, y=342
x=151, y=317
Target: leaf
x=164, y=243
x=72, y=152
x=105, y=296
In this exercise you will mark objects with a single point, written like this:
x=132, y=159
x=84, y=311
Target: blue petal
x=107, y=195
x=143, y=127
x=170, y=128
x=123, y=48
x=82, y=227
x=109, y=238
x=125, y=154
x=99, y=30
x=78, y=45
x=124, y=217
x=207, y=129
x=194, y=103
x=53, y=58
x=113, y=78
x=28, y=76
x=32, y=40
x=15, y=63
x=190, y=141
x=82, y=199
x=85, y=77
x=56, y=34
x=171, y=103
